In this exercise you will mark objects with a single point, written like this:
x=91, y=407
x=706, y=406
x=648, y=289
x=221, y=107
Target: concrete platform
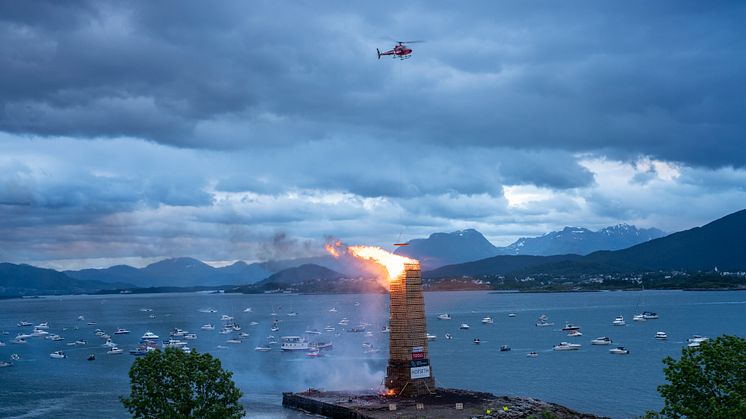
x=443, y=403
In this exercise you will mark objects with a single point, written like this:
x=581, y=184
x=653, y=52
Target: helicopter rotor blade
x=411, y=42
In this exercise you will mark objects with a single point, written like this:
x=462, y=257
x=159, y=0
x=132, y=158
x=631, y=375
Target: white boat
x=448, y=336
x=638, y=318
x=241, y=335
x=253, y=324
x=511, y=314
x=487, y=320
x=570, y=326
x=294, y=343
x=39, y=332
x=619, y=321
x=149, y=335
x=695, y=340
x=444, y=316
x=80, y=342
x=208, y=326
x=621, y=350
x=234, y=341
x=190, y=336
x=333, y=310
x=532, y=354
x=504, y=348
x=178, y=332
x=649, y=315
x=109, y=343
x=207, y=310
x=661, y=335
x=24, y=335
x=43, y=326
x=19, y=341
x=247, y=310
x=262, y=348
x=226, y=331
x=385, y=329
x=565, y=346
x=312, y=332
x=2, y=343
x=574, y=333
x=57, y=355
x=24, y=324
x=226, y=318
x=431, y=337
x=477, y=341
x=121, y=331
x=544, y=323
x=54, y=338
x=603, y=340
x=4, y=364
x=344, y=322
x=81, y=318
x=275, y=328
x=329, y=329
x=114, y=351
x=292, y=314
x=464, y=326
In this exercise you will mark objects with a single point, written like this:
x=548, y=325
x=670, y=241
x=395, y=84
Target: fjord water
x=590, y=379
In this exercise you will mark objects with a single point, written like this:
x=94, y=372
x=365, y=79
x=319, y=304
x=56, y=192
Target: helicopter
x=400, y=50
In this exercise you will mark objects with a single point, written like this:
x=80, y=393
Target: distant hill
x=719, y=244
x=448, y=248
x=581, y=241
x=19, y=280
x=298, y=274
x=311, y=278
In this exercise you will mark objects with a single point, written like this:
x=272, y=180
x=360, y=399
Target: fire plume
x=393, y=263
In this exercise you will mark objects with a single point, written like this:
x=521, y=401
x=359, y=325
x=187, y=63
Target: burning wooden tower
x=408, y=372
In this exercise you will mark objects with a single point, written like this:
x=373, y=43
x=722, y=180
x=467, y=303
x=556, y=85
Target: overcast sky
x=133, y=131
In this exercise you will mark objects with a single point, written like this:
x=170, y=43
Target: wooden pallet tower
x=408, y=373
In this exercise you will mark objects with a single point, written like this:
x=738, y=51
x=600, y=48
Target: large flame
x=394, y=264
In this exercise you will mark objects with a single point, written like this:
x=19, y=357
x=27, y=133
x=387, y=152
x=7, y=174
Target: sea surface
x=590, y=380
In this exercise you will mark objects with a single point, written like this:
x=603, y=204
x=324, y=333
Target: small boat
x=511, y=314
x=321, y=345
x=448, y=336
x=603, y=340
x=385, y=329
x=54, y=338
x=24, y=324
x=2, y=343
x=695, y=340
x=487, y=320
x=81, y=318
x=253, y=324
x=369, y=334
x=477, y=341
x=207, y=310
x=121, y=331
x=292, y=314
x=226, y=331
x=532, y=354
x=312, y=332
x=4, y=364
x=570, y=326
x=57, y=355
x=221, y=347
x=544, y=323
x=358, y=329
x=146, y=310
x=619, y=321
x=114, y=351
x=262, y=348
x=444, y=316
x=275, y=328
x=638, y=318
x=149, y=336
x=431, y=337
x=344, y=322
x=241, y=335
x=574, y=334
x=661, y=335
x=15, y=357
x=178, y=332
x=80, y=342
x=190, y=336
x=504, y=348
x=43, y=326
x=620, y=350
x=19, y=341
x=208, y=326
x=91, y=357
x=649, y=315
x=109, y=343
x=464, y=326
x=294, y=343
x=91, y=323
x=247, y=310
x=313, y=353
x=329, y=329
x=234, y=341
x=565, y=346
x=24, y=335
x=226, y=318
x=333, y=310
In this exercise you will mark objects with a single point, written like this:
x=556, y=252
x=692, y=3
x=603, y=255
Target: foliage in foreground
x=173, y=384
x=707, y=381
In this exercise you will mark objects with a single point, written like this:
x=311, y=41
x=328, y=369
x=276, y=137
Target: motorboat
x=247, y=310
x=661, y=335
x=431, y=337
x=57, y=355
x=178, y=332
x=226, y=318
x=91, y=357
x=369, y=334
x=329, y=329
x=464, y=326
x=54, y=338
x=4, y=364
x=313, y=353
x=253, y=323
x=207, y=310
x=221, y=347
x=294, y=343
x=208, y=326
x=236, y=327
x=477, y=341
x=565, y=346
x=234, y=341
x=638, y=318
x=333, y=310
x=444, y=316
x=321, y=345
x=39, y=332
x=24, y=335
x=275, y=328
x=504, y=348
x=43, y=326
x=80, y=342
x=91, y=323
x=570, y=326
x=262, y=348
x=292, y=314
x=358, y=329
x=2, y=343
x=619, y=321
x=695, y=340
x=532, y=354
x=544, y=323
x=649, y=315
x=385, y=329
x=24, y=324
x=312, y=332
x=511, y=314
x=603, y=340
x=114, y=351
x=150, y=336
x=81, y=318
x=448, y=336
x=121, y=331
x=344, y=322
x=19, y=341
x=620, y=350
x=241, y=335
x=146, y=310
x=226, y=331
x=487, y=320
x=190, y=336
x=109, y=343
x=574, y=334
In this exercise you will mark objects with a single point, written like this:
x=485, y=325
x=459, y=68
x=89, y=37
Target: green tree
x=708, y=381
x=173, y=384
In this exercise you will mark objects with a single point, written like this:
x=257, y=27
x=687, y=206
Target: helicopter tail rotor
x=379, y=53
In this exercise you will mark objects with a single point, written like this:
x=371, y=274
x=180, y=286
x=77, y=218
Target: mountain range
x=469, y=245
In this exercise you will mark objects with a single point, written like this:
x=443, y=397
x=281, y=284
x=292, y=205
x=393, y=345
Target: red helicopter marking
x=400, y=50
